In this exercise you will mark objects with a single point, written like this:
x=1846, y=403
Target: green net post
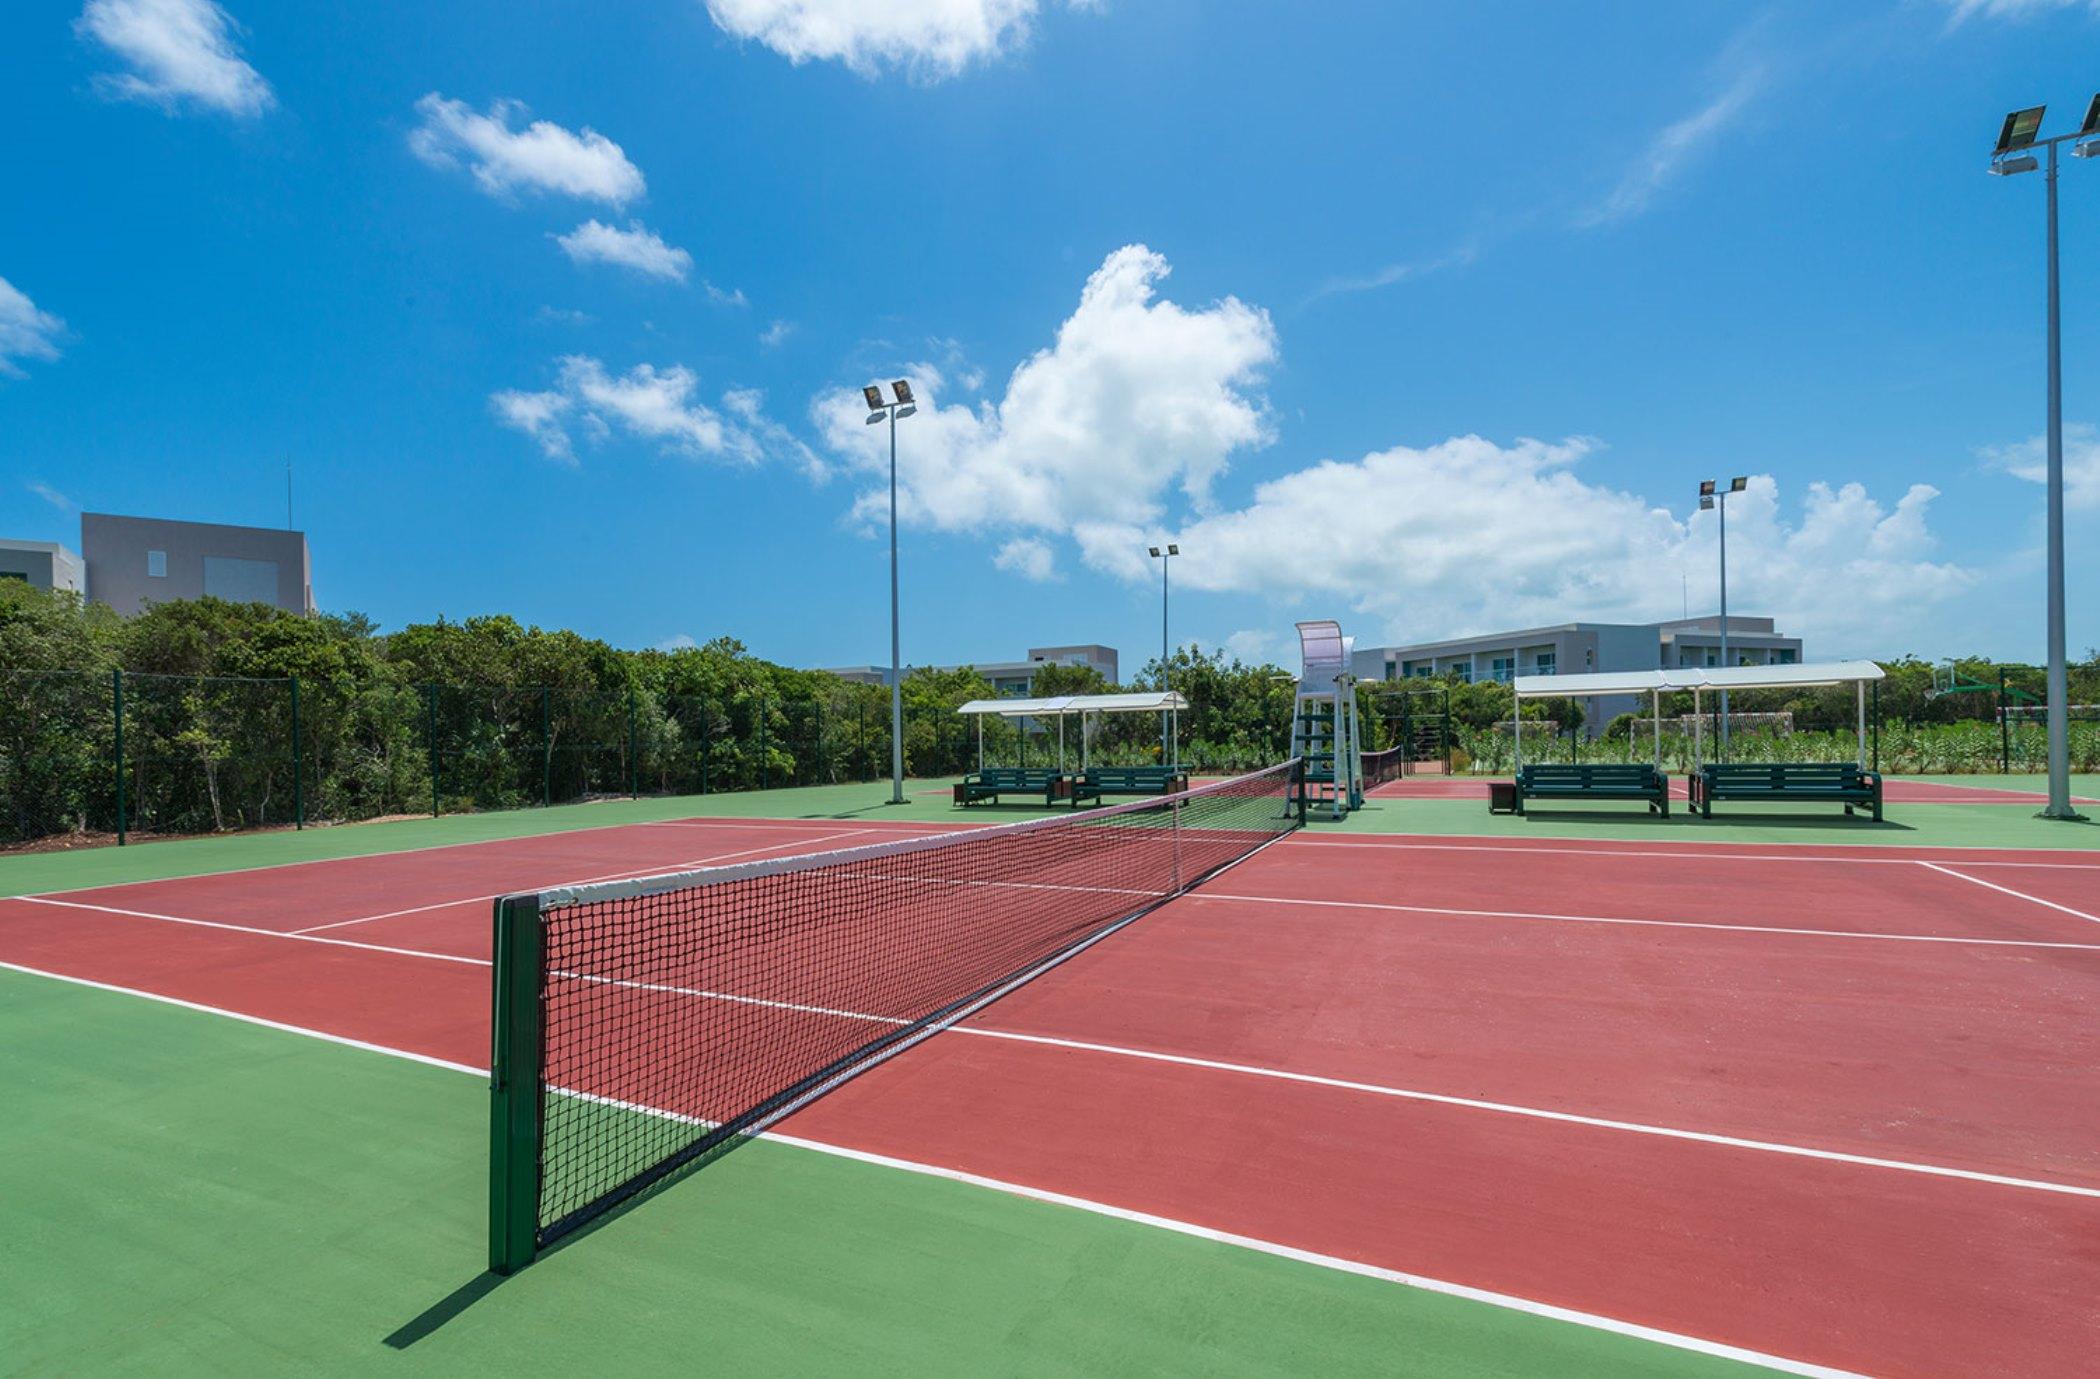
x=298, y=764
x=116, y=704
x=514, y=1086
x=2004, y=729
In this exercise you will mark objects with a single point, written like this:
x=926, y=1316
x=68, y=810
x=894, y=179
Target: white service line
x=1420, y=1282
x=1359, y=840
x=1278, y=1074
x=1654, y=923
x=627, y=873
x=248, y=929
x=2007, y=890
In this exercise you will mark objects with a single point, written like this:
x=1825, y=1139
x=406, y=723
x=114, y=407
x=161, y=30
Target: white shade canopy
x=1145, y=702
x=1696, y=678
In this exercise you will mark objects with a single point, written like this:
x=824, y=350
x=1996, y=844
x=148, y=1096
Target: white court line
x=2007, y=890
x=1420, y=1282
x=1655, y=923
x=634, y=873
x=1301, y=839
x=1375, y=1089
x=248, y=929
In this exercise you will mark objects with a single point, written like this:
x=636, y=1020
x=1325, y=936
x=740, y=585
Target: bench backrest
x=1782, y=773
x=1590, y=773
x=1019, y=777
x=1133, y=775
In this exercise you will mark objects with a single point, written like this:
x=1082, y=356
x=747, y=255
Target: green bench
x=994, y=781
x=1599, y=780
x=1838, y=783
x=1098, y=781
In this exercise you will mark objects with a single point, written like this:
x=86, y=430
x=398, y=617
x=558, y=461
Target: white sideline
x=1646, y=923
x=2007, y=890
x=1505, y=1301
x=669, y=868
x=1444, y=844
x=1278, y=1074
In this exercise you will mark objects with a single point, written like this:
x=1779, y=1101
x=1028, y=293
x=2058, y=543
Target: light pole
x=2009, y=157
x=1711, y=496
x=1163, y=557
x=878, y=410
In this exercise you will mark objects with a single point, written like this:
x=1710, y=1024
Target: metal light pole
x=1163, y=557
x=878, y=410
x=2018, y=134
x=1711, y=496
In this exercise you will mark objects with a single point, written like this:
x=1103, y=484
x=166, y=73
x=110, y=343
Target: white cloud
x=1398, y=272
x=1468, y=536
x=659, y=406
x=25, y=332
x=1256, y=647
x=1961, y=10
x=733, y=296
x=1029, y=558
x=635, y=247
x=542, y=157
x=1675, y=147
x=1134, y=396
x=2029, y=460
x=926, y=38
x=775, y=335
x=51, y=495
x=678, y=641
x=178, y=50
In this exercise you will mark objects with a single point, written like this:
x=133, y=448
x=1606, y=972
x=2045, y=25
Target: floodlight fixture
x=1153, y=551
x=2019, y=129
x=1738, y=484
x=1706, y=488
x=1173, y=550
x=875, y=418
x=2007, y=167
x=874, y=396
x=903, y=392
x=907, y=410
x=2092, y=119
x=1706, y=502
x=2088, y=149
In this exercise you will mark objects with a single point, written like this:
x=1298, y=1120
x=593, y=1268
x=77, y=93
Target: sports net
x=1383, y=768
x=668, y=1015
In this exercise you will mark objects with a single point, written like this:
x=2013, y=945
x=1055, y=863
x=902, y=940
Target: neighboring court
x=1429, y=1091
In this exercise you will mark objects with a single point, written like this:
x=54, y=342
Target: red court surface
x=1834, y=1104
x=1895, y=790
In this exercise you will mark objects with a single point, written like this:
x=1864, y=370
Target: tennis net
x=642, y=1025
x=1383, y=768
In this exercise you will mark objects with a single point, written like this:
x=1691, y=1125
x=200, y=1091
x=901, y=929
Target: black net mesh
x=678, y=1013
x=1383, y=768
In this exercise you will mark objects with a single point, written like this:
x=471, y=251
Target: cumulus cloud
x=1134, y=396
x=1468, y=535
x=726, y=296
x=775, y=335
x=926, y=38
x=635, y=247
x=1029, y=558
x=660, y=406
x=2029, y=460
x=1674, y=148
x=178, y=51
x=25, y=332
x=541, y=157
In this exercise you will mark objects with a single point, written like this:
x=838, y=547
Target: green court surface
x=191, y=1193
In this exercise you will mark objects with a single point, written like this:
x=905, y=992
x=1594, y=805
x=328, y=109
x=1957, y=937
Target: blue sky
x=1425, y=317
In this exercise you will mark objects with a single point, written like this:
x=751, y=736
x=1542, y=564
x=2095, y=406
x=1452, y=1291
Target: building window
x=1501, y=668
x=1549, y=662
x=1465, y=671
x=157, y=564
x=1422, y=671
x=1786, y=656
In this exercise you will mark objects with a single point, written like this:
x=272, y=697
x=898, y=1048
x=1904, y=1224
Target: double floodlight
x=2023, y=128
x=878, y=409
x=1708, y=487
x=1171, y=550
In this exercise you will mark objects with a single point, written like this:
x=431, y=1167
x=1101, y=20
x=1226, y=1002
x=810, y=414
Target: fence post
x=116, y=691
x=546, y=747
x=705, y=751
x=765, y=767
x=430, y=705
x=634, y=766
x=298, y=773
x=2004, y=729
x=1877, y=725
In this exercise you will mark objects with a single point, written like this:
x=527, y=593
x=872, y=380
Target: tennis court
x=1367, y=1101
